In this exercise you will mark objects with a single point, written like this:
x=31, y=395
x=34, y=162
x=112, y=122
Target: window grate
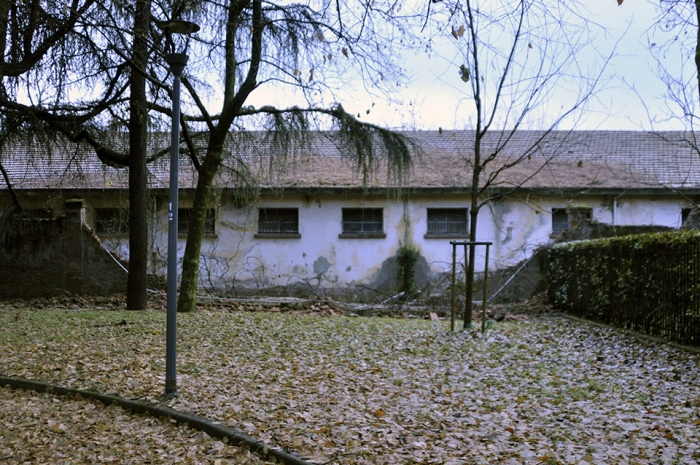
x=363, y=220
x=278, y=221
x=447, y=221
x=560, y=220
x=569, y=218
x=685, y=213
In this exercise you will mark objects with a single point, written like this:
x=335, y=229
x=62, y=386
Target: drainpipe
x=614, y=210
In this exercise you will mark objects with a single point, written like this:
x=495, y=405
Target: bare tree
x=676, y=49
x=526, y=64
x=674, y=42
x=311, y=48
x=681, y=18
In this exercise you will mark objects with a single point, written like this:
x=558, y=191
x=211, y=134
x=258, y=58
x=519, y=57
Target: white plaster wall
x=516, y=226
x=234, y=257
x=438, y=251
x=639, y=211
x=521, y=226
x=319, y=256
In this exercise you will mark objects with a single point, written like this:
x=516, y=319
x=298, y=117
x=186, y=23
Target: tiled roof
x=557, y=160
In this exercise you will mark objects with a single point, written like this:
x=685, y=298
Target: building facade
x=316, y=225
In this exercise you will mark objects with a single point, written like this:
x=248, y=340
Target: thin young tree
x=526, y=64
x=311, y=48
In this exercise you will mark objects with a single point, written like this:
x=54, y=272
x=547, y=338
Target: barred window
x=363, y=221
x=183, y=221
x=560, y=220
x=278, y=221
x=111, y=221
x=447, y=221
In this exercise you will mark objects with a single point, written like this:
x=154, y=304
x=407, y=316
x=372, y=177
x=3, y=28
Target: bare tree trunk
x=136, y=298
x=473, y=227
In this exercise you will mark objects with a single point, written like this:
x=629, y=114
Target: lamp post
x=177, y=62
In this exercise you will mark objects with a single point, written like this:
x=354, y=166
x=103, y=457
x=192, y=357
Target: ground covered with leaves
x=347, y=390
x=46, y=429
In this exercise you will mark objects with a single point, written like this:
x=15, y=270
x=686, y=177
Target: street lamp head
x=177, y=33
x=178, y=26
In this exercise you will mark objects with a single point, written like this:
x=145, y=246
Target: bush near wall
x=649, y=283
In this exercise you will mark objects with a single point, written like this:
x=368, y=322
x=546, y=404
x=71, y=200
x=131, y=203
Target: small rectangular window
x=560, y=220
x=363, y=221
x=111, y=221
x=278, y=221
x=183, y=221
x=447, y=222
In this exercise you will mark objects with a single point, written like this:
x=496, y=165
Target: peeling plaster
x=509, y=235
x=321, y=265
x=514, y=225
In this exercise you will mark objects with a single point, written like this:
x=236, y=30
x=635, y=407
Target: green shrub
x=640, y=282
x=407, y=257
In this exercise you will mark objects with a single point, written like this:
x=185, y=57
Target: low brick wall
x=44, y=257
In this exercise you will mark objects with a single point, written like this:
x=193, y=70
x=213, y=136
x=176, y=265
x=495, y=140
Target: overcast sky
x=431, y=99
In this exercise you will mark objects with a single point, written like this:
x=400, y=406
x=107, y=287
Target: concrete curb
x=265, y=451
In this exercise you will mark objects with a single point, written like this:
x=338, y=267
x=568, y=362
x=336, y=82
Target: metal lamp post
x=177, y=62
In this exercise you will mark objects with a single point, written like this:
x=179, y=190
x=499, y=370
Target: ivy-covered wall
x=649, y=283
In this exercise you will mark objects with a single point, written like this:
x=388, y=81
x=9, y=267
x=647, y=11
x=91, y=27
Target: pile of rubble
x=520, y=311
